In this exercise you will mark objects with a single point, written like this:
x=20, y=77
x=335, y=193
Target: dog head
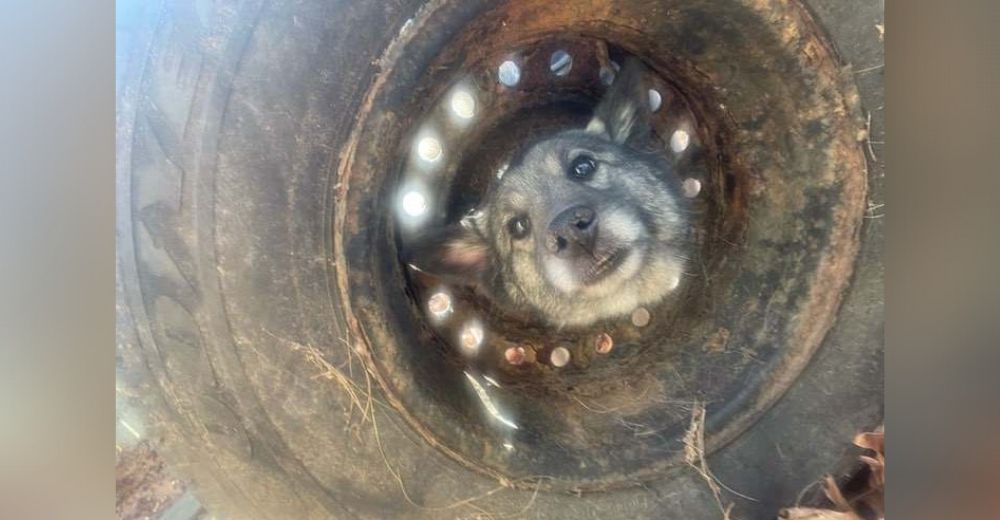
x=582, y=226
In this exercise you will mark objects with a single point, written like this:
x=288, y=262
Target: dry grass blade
x=694, y=456
x=330, y=372
x=366, y=407
x=811, y=513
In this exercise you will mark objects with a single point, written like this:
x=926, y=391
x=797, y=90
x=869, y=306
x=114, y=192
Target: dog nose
x=573, y=232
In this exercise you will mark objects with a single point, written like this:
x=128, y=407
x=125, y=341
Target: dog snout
x=573, y=232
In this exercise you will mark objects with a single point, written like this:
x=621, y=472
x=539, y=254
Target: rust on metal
x=515, y=355
x=604, y=343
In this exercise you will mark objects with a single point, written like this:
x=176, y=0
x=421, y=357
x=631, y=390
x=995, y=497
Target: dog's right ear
x=624, y=114
x=456, y=253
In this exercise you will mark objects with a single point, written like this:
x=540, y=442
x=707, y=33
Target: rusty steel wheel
x=276, y=158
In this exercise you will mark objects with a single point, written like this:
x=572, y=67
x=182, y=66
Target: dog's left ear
x=456, y=253
x=624, y=114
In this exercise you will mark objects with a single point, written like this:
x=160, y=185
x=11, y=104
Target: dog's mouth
x=605, y=265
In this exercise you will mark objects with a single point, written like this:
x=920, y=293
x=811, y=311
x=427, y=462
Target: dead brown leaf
x=858, y=504
x=833, y=493
x=874, y=496
x=871, y=441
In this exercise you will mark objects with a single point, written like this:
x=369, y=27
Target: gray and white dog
x=581, y=227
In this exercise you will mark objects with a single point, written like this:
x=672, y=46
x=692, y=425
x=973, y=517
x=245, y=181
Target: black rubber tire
x=228, y=118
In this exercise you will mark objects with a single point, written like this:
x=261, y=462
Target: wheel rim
x=772, y=141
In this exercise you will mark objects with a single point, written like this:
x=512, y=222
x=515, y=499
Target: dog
x=584, y=225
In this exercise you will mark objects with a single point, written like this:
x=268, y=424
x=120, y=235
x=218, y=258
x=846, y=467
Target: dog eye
x=519, y=227
x=582, y=168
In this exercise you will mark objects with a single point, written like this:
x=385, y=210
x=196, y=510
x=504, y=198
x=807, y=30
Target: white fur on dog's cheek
x=631, y=266
x=621, y=225
x=560, y=274
x=669, y=270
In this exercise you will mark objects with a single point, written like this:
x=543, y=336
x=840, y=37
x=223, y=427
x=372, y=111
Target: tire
x=233, y=119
